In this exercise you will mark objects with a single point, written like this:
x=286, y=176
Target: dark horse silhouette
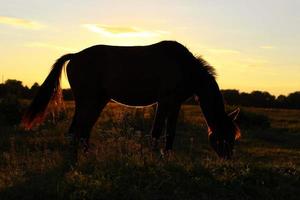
x=165, y=73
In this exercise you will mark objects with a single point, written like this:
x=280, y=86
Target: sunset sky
x=254, y=45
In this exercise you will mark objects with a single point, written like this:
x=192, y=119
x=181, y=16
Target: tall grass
x=121, y=165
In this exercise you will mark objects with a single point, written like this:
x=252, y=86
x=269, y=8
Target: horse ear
x=233, y=115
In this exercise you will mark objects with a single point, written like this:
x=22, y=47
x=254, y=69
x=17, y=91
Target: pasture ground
x=120, y=165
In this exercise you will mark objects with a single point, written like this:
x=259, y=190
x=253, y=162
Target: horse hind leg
x=71, y=132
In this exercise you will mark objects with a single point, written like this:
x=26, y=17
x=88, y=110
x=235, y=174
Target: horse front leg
x=172, y=117
x=159, y=123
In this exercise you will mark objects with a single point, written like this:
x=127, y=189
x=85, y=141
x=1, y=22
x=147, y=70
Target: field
x=120, y=165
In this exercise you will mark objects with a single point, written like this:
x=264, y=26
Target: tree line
x=231, y=97
x=261, y=99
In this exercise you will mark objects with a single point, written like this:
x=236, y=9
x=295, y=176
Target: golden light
x=122, y=32
x=19, y=22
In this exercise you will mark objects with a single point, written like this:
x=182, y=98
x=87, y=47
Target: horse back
x=129, y=74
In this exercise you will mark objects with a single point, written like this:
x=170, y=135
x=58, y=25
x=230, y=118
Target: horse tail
x=49, y=90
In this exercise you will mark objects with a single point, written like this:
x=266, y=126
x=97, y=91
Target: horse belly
x=137, y=94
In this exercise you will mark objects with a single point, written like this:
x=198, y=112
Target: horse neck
x=211, y=102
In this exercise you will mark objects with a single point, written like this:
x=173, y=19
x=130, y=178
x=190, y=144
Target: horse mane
x=206, y=66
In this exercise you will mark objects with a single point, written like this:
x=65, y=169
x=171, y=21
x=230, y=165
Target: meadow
x=121, y=166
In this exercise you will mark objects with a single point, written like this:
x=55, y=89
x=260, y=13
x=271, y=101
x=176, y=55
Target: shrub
x=10, y=110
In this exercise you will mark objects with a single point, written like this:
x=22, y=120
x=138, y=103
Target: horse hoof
x=166, y=154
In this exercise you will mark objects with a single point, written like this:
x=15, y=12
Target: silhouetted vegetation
x=15, y=87
x=232, y=96
x=10, y=110
x=121, y=165
x=261, y=99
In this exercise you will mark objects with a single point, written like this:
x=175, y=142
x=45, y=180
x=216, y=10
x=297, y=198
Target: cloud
x=19, y=22
x=122, y=32
x=49, y=46
x=267, y=47
x=223, y=51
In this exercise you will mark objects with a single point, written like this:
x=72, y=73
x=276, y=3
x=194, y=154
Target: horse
x=165, y=73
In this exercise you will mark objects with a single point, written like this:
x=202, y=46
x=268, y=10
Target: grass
x=120, y=165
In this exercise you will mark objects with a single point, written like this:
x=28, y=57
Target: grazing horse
x=165, y=73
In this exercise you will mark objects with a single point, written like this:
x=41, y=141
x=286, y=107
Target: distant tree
x=14, y=87
x=281, y=102
x=231, y=97
x=293, y=100
x=262, y=99
x=2, y=90
x=281, y=98
x=245, y=99
x=10, y=110
x=34, y=89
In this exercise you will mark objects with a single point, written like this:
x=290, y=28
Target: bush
x=10, y=110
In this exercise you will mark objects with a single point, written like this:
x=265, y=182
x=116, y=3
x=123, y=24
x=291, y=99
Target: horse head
x=222, y=138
